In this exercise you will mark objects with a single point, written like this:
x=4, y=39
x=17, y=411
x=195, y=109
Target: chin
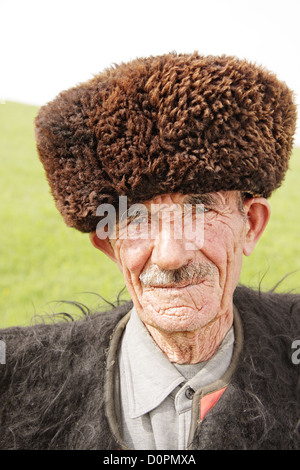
x=183, y=319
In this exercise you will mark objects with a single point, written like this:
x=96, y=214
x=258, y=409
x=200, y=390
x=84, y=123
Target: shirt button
x=189, y=393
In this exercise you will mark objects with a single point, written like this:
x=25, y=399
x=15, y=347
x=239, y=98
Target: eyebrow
x=206, y=199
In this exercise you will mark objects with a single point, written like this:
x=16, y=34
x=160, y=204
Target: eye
x=138, y=227
x=201, y=209
x=139, y=220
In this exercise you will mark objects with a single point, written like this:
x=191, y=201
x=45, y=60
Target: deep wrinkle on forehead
x=210, y=199
x=219, y=200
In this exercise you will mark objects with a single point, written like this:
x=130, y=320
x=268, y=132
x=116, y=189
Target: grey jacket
x=57, y=386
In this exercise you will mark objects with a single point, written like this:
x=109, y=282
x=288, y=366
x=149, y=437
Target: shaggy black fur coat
x=52, y=383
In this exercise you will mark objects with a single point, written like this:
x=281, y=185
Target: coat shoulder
x=19, y=339
x=270, y=310
x=52, y=382
x=260, y=407
x=267, y=378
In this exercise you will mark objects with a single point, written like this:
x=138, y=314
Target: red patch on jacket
x=207, y=402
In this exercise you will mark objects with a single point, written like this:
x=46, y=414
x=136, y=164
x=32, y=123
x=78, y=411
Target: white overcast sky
x=51, y=45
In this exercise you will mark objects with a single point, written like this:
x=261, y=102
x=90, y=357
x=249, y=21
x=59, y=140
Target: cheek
x=132, y=256
x=215, y=245
x=223, y=245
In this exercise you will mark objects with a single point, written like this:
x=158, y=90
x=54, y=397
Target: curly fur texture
x=172, y=123
x=52, y=385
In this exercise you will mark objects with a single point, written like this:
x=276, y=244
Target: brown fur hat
x=172, y=123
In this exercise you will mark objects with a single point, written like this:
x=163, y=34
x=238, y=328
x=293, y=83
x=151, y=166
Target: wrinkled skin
x=189, y=320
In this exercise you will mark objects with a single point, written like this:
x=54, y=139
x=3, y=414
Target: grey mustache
x=155, y=276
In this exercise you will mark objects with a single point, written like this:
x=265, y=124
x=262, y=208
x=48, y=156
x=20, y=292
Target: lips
x=177, y=285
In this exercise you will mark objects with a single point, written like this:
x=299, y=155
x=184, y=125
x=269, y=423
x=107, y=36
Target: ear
x=258, y=211
x=103, y=245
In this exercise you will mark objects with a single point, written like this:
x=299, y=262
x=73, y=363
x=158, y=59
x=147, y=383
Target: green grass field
x=42, y=261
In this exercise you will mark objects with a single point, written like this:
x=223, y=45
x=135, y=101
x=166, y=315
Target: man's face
x=183, y=282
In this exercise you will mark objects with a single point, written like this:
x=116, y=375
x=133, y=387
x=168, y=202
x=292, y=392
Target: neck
x=192, y=347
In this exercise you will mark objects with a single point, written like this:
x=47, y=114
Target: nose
x=170, y=253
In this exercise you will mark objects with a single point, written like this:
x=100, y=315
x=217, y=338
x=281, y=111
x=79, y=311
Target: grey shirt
x=155, y=394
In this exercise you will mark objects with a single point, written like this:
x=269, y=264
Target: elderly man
x=194, y=146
